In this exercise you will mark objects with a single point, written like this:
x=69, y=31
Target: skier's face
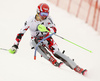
x=43, y=17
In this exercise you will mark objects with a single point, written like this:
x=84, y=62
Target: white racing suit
x=48, y=44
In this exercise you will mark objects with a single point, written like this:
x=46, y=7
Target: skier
x=42, y=18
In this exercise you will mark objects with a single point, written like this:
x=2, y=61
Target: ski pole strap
x=39, y=43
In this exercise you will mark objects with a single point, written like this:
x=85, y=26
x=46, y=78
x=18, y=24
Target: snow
x=22, y=66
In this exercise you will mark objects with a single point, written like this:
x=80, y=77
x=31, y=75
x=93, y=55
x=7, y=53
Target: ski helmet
x=43, y=7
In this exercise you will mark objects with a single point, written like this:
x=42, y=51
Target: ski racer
x=42, y=18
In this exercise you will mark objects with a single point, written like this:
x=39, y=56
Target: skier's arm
x=14, y=48
x=52, y=29
x=20, y=35
x=51, y=26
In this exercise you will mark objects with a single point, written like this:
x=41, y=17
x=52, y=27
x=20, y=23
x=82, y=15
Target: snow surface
x=22, y=66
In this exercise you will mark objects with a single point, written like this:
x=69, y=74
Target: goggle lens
x=44, y=13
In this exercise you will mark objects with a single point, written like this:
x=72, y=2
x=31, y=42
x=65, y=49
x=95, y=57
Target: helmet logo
x=45, y=8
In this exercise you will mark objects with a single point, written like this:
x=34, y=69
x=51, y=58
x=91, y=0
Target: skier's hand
x=13, y=49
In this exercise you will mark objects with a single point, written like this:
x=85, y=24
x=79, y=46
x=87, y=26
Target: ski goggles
x=44, y=13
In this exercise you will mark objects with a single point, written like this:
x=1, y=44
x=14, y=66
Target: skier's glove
x=13, y=49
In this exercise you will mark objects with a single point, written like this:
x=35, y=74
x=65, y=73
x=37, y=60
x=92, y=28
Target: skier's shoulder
x=49, y=18
x=31, y=18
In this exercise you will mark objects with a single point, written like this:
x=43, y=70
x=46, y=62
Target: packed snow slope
x=22, y=66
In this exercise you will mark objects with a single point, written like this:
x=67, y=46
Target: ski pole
x=43, y=29
x=73, y=43
x=3, y=49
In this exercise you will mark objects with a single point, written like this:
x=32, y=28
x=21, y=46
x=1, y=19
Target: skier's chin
x=44, y=17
